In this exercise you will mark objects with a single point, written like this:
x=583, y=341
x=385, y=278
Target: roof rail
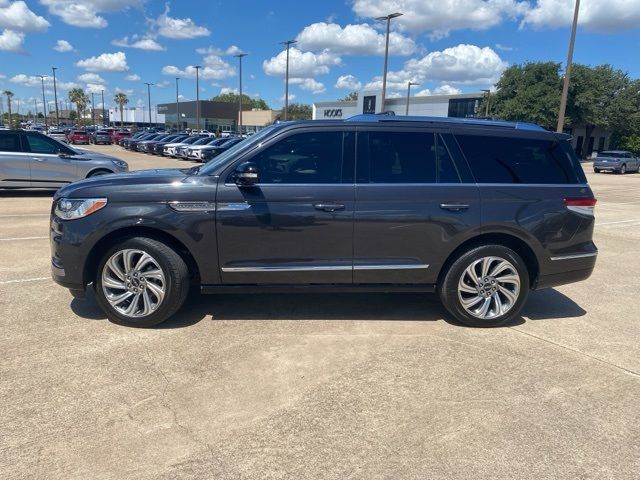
x=445, y=120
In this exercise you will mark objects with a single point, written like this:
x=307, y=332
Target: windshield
x=202, y=141
x=191, y=140
x=238, y=149
x=612, y=154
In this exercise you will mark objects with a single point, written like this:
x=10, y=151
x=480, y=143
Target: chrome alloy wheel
x=489, y=287
x=133, y=283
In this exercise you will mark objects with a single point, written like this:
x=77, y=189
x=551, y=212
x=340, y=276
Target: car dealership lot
x=320, y=386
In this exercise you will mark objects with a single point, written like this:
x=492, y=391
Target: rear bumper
x=569, y=268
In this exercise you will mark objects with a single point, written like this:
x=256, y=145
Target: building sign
x=369, y=104
x=332, y=113
x=163, y=108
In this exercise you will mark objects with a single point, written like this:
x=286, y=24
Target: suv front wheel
x=485, y=287
x=141, y=282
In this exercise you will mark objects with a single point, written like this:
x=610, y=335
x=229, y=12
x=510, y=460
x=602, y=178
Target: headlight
x=74, y=208
x=121, y=164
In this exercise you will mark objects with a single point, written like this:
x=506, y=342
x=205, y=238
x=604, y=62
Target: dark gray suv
x=480, y=212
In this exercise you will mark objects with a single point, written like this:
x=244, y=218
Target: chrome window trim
x=574, y=256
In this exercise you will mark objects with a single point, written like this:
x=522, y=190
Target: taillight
x=584, y=206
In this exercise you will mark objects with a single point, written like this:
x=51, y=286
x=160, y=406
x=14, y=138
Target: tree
x=121, y=100
x=77, y=96
x=231, y=97
x=349, y=97
x=529, y=92
x=9, y=95
x=299, y=111
x=599, y=97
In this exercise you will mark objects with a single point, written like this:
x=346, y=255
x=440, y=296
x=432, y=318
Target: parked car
x=158, y=147
x=33, y=159
x=181, y=151
x=78, y=136
x=58, y=135
x=170, y=149
x=618, y=161
x=101, y=137
x=211, y=151
x=133, y=143
x=480, y=212
x=192, y=151
x=143, y=145
x=125, y=141
x=118, y=135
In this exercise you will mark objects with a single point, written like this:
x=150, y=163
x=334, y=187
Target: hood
x=148, y=184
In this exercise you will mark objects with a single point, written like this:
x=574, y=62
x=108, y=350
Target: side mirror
x=246, y=174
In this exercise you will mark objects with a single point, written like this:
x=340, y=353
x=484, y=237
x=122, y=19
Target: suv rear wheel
x=141, y=282
x=486, y=286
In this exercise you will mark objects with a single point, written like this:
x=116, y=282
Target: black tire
x=596, y=170
x=448, y=286
x=176, y=275
x=623, y=169
x=99, y=173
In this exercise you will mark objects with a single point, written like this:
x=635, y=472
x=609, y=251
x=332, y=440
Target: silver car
x=34, y=160
x=618, y=161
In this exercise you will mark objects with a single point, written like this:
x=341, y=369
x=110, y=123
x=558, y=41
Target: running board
x=332, y=288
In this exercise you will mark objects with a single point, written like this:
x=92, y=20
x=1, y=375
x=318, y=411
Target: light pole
x=567, y=73
x=55, y=95
x=288, y=44
x=44, y=103
x=149, y=98
x=486, y=107
x=198, y=67
x=239, y=56
x=386, y=56
x=103, y=115
x=177, y=106
x=93, y=110
x=35, y=105
x=409, y=84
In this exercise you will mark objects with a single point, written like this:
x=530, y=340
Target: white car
x=58, y=135
x=195, y=152
x=169, y=149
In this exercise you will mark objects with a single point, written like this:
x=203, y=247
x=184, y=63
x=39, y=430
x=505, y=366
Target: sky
x=446, y=46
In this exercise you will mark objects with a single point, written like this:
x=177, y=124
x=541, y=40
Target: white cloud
x=292, y=97
x=308, y=84
x=463, y=63
x=17, y=17
x=423, y=93
x=90, y=78
x=34, y=81
x=106, y=62
x=223, y=70
x=225, y=90
x=11, y=41
x=127, y=91
x=595, y=15
x=439, y=18
x=348, y=82
x=95, y=88
x=85, y=13
x=146, y=43
x=503, y=48
x=446, y=89
x=134, y=77
x=232, y=50
x=359, y=39
x=301, y=64
x=63, y=46
x=178, y=28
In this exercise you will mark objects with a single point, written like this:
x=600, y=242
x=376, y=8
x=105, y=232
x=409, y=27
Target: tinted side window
x=402, y=157
x=447, y=171
x=517, y=160
x=314, y=157
x=10, y=142
x=40, y=144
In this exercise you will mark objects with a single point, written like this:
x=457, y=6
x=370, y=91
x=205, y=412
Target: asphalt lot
x=321, y=386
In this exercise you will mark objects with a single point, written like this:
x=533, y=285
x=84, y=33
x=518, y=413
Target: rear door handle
x=328, y=207
x=454, y=207
x=39, y=159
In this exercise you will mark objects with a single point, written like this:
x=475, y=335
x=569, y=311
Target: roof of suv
x=368, y=118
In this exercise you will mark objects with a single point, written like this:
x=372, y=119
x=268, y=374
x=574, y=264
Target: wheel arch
x=511, y=241
x=98, y=169
x=125, y=233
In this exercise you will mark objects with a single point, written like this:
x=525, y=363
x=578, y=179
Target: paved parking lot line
x=21, y=238
x=24, y=280
x=613, y=223
x=26, y=215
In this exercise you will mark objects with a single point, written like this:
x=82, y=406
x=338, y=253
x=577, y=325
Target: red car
x=118, y=135
x=78, y=136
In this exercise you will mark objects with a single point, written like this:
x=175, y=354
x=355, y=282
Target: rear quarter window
x=10, y=142
x=495, y=159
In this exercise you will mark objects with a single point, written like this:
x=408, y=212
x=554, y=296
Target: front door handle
x=454, y=207
x=328, y=207
x=39, y=159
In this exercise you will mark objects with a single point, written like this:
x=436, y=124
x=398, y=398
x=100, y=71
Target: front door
x=14, y=164
x=47, y=167
x=411, y=206
x=296, y=225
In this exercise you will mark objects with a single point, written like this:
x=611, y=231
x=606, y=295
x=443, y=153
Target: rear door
x=47, y=167
x=296, y=225
x=14, y=163
x=412, y=204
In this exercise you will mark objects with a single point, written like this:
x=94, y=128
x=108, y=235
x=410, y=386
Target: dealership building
x=463, y=105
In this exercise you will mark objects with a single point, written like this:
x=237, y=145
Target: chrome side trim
x=574, y=256
x=416, y=266
x=324, y=268
x=193, y=206
x=231, y=207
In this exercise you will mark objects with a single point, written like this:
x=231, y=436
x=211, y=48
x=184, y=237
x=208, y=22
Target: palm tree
x=9, y=94
x=121, y=99
x=77, y=96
